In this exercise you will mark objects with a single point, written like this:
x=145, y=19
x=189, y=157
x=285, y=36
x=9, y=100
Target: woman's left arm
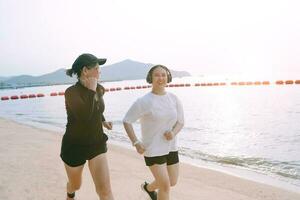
x=107, y=125
x=177, y=128
x=180, y=118
x=169, y=135
x=100, y=92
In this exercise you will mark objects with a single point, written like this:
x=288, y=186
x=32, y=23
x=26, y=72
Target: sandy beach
x=30, y=168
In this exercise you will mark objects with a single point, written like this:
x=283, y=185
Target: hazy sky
x=203, y=37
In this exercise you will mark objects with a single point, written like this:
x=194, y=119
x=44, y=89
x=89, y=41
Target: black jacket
x=85, y=115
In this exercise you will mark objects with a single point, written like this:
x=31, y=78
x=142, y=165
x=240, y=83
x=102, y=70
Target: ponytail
x=70, y=72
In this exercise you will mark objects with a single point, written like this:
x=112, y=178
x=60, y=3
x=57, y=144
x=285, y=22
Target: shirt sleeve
x=135, y=112
x=80, y=108
x=103, y=118
x=101, y=90
x=180, y=114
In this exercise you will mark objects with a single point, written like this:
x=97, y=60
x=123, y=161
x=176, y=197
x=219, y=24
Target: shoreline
x=232, y=170
x=235, y=171
x=30, y=168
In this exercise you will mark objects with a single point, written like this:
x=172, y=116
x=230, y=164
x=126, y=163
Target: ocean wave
x=191, y=129
x=48, y=122
x=261, y=165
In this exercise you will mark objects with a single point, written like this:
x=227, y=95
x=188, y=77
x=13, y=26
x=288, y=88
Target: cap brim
x=101, y=61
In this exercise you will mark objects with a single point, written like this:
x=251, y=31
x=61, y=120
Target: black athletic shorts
x=170, y=159
x=76, y=155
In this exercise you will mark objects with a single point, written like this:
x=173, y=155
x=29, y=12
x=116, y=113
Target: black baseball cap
x=86, y=59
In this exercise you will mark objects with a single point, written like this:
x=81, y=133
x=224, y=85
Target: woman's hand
x=107, y=125
x=169, y=135
x=140, y=148
x=90, y=83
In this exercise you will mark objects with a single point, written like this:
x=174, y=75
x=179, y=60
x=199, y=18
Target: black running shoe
x=71, y=195
x=152, y=195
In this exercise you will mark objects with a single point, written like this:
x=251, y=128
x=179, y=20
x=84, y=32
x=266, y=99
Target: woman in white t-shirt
x=161, y=117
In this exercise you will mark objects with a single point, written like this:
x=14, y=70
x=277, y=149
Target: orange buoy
x=257, y=83
x=61, y=93
x=289, y=82
x=279, y=82
x=14, y=97
x=24, y=96
x=32, y=96
x=4, y=98
x=266, y=83
x=297, y=81
x=53, y=94
x=40, y=95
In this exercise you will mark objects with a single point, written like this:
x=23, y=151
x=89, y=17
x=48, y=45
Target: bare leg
x=99, y=170
x=161, y=176
x=152, y=186
x=74, y=175
x=173, y=171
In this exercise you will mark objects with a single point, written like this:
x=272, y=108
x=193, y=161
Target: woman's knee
x=103, y=190
x=75, y=186
x=173, y=182
x=164, y=185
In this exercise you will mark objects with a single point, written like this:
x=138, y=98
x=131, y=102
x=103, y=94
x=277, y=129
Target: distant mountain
x=57, y=77
x=125, y=70
x=131, y=70
x=2, y=78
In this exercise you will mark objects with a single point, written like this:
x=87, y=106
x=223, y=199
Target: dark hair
x=84, y=60
x=78, y=71
x=70, y=72
x=149, y=75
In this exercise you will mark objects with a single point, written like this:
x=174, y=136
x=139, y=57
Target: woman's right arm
x=134, y=140
x=81, y=109
x=134, y=113
x=130, y=132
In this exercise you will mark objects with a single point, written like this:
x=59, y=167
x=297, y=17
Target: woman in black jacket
x=84, y=138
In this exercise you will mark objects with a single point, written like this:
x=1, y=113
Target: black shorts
x=76, y=155
x=170, y=159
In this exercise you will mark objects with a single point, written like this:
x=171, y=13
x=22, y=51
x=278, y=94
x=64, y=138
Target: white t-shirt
x=157, y=114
